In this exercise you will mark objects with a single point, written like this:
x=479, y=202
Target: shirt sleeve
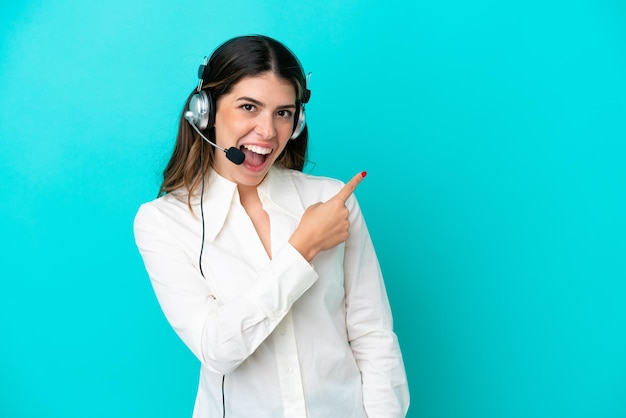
x=370, y=325
x=221, y=335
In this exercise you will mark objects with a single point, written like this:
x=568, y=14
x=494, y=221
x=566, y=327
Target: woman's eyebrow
x=250, y=99
x=261, y=104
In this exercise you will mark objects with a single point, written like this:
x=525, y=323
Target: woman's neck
x=247, y=194
x=251, y=203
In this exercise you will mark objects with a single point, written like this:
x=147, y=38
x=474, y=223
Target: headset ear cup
x=300, y=123
x=202, y=110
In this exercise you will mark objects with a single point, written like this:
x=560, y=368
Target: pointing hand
x=325, y=225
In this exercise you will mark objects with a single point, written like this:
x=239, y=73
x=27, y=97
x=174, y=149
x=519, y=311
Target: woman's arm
x=370, y=325
x=221, y=335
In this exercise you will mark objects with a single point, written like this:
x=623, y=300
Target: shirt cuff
x=287, y=277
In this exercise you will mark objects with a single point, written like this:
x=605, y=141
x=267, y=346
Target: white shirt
x=292, y=339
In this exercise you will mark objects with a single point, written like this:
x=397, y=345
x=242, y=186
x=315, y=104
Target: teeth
x=258, y=150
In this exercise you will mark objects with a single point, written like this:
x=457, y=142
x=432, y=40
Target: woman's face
x=257, y=118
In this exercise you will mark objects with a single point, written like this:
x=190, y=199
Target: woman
x=267, y=274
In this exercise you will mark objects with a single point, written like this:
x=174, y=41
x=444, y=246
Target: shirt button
x=290, y=370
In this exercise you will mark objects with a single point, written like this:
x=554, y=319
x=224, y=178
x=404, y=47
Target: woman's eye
x=248, y=107
x=285, y=113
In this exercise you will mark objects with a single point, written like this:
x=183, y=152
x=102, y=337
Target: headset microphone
x=233, y=154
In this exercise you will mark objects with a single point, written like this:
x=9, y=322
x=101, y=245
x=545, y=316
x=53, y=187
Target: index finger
x=349, y=188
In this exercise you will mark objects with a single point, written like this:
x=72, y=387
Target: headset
x=201, y=111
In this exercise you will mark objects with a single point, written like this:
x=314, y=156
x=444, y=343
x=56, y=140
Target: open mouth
x=255, y=155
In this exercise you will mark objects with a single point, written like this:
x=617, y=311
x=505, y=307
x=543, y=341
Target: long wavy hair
x=235, y=59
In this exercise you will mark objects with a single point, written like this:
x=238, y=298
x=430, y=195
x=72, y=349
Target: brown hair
x=237, y=58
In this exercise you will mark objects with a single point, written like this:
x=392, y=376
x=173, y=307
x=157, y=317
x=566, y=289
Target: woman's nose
x=265, y=126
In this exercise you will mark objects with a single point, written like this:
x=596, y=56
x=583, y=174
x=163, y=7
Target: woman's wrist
x=305, y=249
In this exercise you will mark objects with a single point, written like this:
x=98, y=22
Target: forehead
x=265, y=84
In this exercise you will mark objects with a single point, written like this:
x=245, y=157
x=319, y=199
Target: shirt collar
x=277, y=191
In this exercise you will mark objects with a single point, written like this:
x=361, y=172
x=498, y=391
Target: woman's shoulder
x=313, y=189
x=309, y=186
x=173, y=204
x=175, y=198
x=311, y=180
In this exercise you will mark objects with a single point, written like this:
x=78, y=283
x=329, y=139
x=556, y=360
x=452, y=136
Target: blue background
x=494, y=138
